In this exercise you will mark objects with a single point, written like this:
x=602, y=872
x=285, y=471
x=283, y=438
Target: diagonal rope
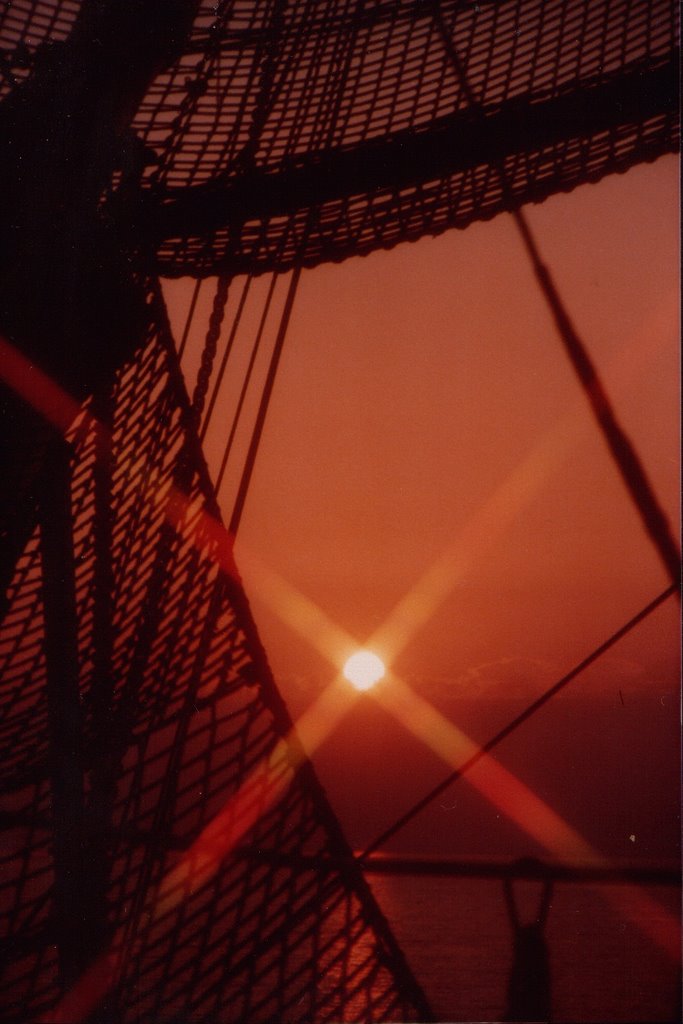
x=623, y=452
x=245, y=384
x=265, y=400
x=621, y=448
x=226, y=356
x=190, y=317
x=516, y=722
x=210, y=346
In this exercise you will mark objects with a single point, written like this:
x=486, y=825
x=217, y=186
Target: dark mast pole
x=71, y=296
x=76, y=913
x=71, y=303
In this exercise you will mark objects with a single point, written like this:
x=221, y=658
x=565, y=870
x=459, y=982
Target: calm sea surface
x=457, y=938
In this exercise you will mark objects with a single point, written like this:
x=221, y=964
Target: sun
x=363, y=669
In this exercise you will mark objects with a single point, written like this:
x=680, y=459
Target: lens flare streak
x=499, y=786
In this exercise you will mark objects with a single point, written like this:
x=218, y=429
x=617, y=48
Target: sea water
x=457, y=938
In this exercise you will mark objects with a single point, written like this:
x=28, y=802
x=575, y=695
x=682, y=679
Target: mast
x=71, y=299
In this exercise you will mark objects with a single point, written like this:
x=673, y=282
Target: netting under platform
x=159, y=829
x=312, y=130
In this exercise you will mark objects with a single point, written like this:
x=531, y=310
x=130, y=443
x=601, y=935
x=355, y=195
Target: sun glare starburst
x=363, y=669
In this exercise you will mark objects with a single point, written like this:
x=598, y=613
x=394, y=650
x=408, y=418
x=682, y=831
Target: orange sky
x=425, y=413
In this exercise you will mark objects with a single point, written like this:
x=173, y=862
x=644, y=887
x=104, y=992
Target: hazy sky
x=425, y=414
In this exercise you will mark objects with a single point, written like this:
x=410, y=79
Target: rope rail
x=530, y=868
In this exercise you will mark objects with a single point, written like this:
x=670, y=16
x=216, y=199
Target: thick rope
x=190, y=317
x=224, y=360
x=245, y=384
x=210, y=347
x=263, y=407
x=620, y=446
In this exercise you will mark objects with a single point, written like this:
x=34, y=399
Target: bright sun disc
x=363, y=669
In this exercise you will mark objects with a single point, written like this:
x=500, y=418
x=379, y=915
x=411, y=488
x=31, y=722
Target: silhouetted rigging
x=154, y=867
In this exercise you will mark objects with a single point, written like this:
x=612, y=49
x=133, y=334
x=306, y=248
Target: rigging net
x=286, y=134
x=313, y=130
x=177, y=716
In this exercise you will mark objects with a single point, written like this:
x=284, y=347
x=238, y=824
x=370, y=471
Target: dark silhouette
x=529, y=988
x=147, y=137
